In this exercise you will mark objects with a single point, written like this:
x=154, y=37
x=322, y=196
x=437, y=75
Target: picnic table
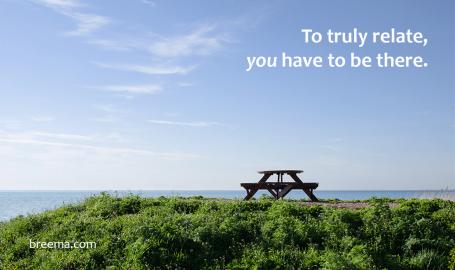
x=279, y=189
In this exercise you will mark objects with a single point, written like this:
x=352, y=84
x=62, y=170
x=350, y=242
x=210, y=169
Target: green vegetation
x=196, y=233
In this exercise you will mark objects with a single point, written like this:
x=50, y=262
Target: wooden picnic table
x=279, y=189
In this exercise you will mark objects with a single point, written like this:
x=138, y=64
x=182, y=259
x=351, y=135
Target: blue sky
x=144, y=94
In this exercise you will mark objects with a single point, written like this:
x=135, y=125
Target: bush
x=196, y=233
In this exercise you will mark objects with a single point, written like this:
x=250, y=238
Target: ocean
x=15, y=203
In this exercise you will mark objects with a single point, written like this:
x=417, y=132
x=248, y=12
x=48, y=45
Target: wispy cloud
x=41, y=135
x=42, y=118
x=166, y=51
x=86, y=23
x=63, y=136
x=102, y=150
x=203, y=41
x=149, y=2
x=133, y=89
x=186, y=124
x=33, y=138
x=151, y=70
x=66, y=4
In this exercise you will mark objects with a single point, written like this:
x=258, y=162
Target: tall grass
x=445, y=194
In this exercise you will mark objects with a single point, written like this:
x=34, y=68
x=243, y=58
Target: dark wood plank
x=280, y=189
x=265, y=177
x=296, y=178
x=280, y=171
x=279, y=185
x=285, y=191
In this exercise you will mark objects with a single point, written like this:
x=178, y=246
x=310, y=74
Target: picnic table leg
x=274, y=194
x=295, y=177
x=250, y=193
x=309, y=193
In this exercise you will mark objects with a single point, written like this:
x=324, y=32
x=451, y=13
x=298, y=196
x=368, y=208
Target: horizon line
x=176, y=190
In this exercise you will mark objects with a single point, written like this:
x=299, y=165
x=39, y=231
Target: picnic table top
x=264, y=185
x=280, y=171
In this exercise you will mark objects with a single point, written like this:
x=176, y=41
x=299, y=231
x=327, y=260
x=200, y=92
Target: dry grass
x=445, y=194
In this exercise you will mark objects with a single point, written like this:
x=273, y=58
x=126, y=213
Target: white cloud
x=86, y=23
x=60, y=3
x=41, y=134
x=166, y=51
x=33, y=138
x=203, y=41
x=187, y=124
x=102, y=150
x=133, y=89
x=149, y=2
x=151, y=70
x=63, y=136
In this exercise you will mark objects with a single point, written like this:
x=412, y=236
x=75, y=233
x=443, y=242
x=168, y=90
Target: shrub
x=196, y=233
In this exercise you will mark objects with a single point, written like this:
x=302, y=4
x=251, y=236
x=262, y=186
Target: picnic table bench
x=279, y=189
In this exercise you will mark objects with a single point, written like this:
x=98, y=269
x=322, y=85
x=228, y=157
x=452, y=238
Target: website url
x=62, y=244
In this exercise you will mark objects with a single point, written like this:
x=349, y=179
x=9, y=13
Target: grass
x=197, y=233
x=444, y=194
